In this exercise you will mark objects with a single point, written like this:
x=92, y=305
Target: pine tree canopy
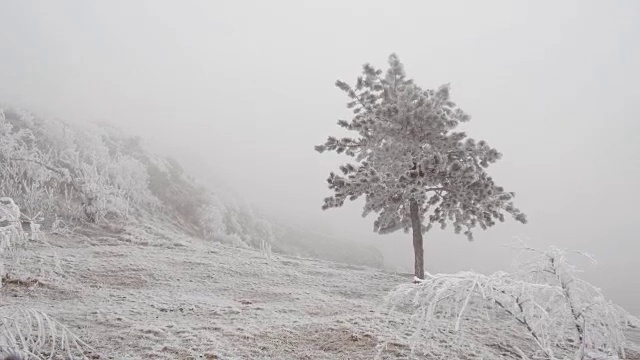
x=407, y=150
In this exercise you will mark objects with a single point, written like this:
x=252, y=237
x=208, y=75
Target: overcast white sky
x=246, y=88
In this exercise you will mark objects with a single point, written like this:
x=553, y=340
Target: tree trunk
x=418, y=249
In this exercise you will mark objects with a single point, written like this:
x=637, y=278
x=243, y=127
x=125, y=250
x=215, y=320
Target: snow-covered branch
x=554, y=314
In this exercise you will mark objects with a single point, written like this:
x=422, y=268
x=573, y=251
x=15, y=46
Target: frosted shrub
x=34, y=335
x=10, y=230
x=211, y=221
x=13, y=239
x=235, y=240
x=24, y=331
x=543, y=311
x=22, y=177
x=55, y=169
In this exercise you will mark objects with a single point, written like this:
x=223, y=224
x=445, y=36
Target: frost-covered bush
x=11, y=233
x=23, y=176
x=68, y=174
x=10, y=216
x=26, y=332
x=212, y=222
x=13, y=238
x=32, y=334
x=543, y=311
x=57, y=169
x=241, y=220
x=183, y=200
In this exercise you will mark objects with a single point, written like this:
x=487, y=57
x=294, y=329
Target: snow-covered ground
x=138, y=296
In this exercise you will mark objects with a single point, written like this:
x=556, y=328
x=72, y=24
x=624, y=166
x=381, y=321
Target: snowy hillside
x=66, y=174
x=150, y=294
x=126, y=256
x=136, y=295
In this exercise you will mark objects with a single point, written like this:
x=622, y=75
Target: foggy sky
x=245, y=88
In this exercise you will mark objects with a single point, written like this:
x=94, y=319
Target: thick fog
x=246, y=89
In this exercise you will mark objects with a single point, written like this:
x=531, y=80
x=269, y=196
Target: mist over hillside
x=65, y=173
x=165, y=168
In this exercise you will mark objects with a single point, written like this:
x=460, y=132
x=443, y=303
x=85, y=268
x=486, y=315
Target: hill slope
x=68, y=174
x=137, y=262
x=138, y=296
x=152, y=295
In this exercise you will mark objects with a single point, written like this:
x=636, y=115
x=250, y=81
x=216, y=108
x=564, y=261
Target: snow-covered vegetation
x=414, y=170
x=411, y=167
x=63, y=179
x=67, y=174
x=152, y=294
x=109, y=251
x=543, y=310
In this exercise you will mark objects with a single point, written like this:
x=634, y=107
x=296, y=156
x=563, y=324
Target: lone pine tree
x=412, y=168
